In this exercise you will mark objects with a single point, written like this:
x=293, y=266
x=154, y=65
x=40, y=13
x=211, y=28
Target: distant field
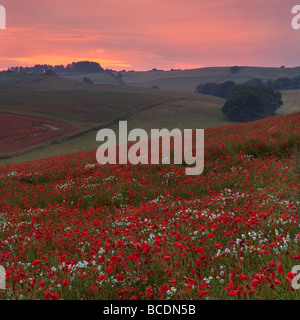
x=19, y=134
x=97, y=78
x=190, y=113
x=187, y=80
x=85, y=105
x=90, y=107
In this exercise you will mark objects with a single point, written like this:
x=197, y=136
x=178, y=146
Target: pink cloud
x=141, y=34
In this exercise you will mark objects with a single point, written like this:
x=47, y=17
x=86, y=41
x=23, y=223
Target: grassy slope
x=229, y=233
x=145, y=108
x=58, y=98
x=187, y=110
x=291, y=101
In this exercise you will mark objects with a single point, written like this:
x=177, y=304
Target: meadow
x=73, y=229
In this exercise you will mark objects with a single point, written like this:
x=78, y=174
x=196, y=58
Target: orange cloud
x=140, y=34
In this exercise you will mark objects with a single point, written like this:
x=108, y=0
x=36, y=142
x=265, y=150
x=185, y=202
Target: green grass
x=291, y=101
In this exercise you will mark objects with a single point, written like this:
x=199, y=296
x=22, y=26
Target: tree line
x=74, y=67
x=226, y=89
x=250, y=103
x=253, y=100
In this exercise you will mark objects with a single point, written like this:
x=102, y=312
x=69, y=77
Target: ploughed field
x=73, y=229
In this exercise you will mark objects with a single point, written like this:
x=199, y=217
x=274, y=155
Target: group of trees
x=252, y=100
x=249, y=103
x=226, y=89
x=222, y=90
x=74, y=67
x=279, y=84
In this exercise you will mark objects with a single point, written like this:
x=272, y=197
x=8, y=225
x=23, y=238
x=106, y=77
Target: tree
x=207, y=88
x=235, y=69
x=249, y=103
x=223, y=90
x=226, y=89
x=87, y=80
x=258, y=82
x=50, y=73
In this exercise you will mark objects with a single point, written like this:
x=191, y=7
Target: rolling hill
x=60, y=115
x=186, y=80
x=64, y=115
x=72, y=229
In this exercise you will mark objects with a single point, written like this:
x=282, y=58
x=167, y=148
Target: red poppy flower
x=120, y=277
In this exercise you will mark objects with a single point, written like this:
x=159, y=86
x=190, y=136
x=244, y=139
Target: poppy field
x=73, y=229
x=19, y=133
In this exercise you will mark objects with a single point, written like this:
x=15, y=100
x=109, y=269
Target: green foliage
x=249, y=103
x=50, y=73
x=87, y=80
x=235, y=69
x=226, y=89
x=222, y=90
x=279, y=84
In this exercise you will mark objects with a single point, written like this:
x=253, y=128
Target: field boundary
x=81, y=131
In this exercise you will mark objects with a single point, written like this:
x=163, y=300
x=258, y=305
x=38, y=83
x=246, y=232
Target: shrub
x=249, y=103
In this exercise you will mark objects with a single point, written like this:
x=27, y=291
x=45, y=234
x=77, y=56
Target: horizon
x=149, y=70
x=140, y=35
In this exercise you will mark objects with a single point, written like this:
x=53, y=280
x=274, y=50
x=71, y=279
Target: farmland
x=39, y=102
x=79, y=110
x=186, y=80
x=72, y=229
x=19, y=134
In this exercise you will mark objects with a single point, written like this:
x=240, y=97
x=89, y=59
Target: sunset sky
x=146, y=34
